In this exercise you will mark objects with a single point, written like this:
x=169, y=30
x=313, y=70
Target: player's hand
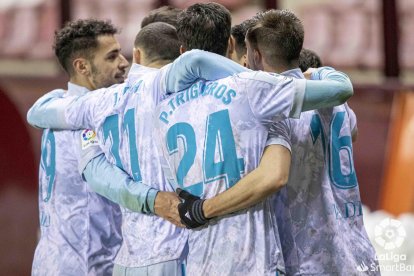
x=309, y=72
x=191, y=210
x=166, y=206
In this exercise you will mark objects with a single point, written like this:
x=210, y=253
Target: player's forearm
x=271, y=174
x=198, y=64
x=49, y=111
x=331, y=88
x=247, y=192
x=113, y=183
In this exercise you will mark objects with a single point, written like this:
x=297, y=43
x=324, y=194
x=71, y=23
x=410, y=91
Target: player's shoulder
x=261, y=76
x=107, y=90
x=138, y=71
x=58, y=90
x=138, y=77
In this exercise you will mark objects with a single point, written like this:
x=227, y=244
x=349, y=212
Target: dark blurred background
x=371, y=40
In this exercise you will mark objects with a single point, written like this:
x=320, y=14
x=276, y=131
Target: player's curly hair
x=205, y=26
x=79, y=38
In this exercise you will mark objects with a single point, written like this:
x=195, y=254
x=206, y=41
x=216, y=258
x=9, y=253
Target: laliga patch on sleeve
x=88, y=138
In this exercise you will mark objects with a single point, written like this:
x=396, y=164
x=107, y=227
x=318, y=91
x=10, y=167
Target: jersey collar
x=76, y=90
x=138, y=70
x=294, y=73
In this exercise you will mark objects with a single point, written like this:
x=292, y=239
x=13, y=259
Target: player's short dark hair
x=309, y=59
x=239, y=33
x=79, y=39
x=166, y=14
x=278, y=35
x=159, y=41
x=206, y=27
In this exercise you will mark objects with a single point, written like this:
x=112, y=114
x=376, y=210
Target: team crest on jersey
x=88, y=138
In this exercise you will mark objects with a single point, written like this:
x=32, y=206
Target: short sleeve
x=274, y=97
x=85, y=112
x=280, y=134
x=87, y=147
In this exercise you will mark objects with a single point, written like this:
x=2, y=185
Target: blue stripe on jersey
x=183, y=269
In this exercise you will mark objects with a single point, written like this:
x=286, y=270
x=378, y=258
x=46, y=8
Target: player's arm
x=274, y=97
x=194, y=65
x=334, y=88
x=72, y=112
x=116, y=185
x=39, y=115
x=269, y=177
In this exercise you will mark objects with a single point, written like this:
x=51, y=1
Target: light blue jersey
x=113, y=116
x=213, y=134
x=122, y=116
x=128, y=141
x=80, y=230
x=319, y=211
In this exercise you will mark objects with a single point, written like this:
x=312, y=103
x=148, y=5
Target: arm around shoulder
x=44, y=113
x=198, y=64
x=269, y=177
x=327, y=88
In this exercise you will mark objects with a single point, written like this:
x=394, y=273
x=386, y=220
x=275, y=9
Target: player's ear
x=244, y=60
x=82, y=66
x=258, y=59
x=230, y=46
x=182, y=50
x=136, y=55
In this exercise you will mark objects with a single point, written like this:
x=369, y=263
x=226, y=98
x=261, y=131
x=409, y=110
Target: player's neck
x=157, y=64
x=81, y=81
x=279, y=66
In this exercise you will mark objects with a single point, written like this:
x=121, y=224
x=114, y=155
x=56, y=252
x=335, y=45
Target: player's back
x=319, y=211
x=128, y=141
x=80, y=230
x=214, y=133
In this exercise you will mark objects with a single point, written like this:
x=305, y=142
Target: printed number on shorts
x=338, y=151
x=218, y=138
x=111, y=131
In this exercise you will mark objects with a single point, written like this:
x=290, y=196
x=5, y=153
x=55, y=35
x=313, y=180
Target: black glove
x=191, y=210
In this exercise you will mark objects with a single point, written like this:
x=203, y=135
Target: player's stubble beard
x=99, y=80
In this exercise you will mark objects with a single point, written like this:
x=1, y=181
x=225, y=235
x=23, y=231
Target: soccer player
x=152, y=246
x=214, y=133
x=319, y=211
x=122, y=116
x=80, y=230
x=215, y=12
x=238, y=34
